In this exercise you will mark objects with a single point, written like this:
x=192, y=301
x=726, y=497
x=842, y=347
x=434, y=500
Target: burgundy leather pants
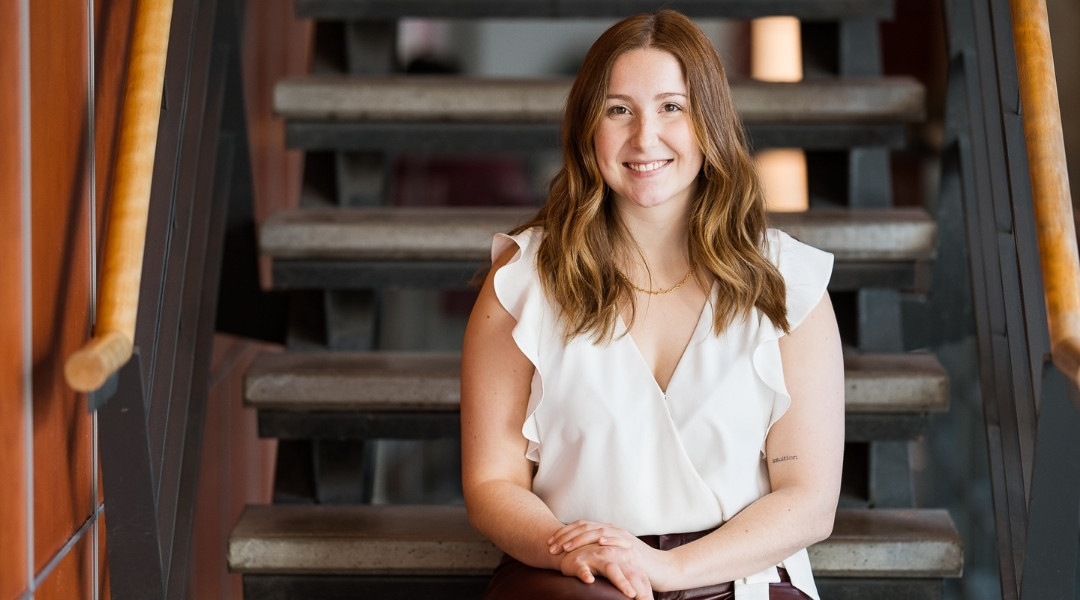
x=514, y=580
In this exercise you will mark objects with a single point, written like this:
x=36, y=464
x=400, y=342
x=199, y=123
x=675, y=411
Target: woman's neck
x=661, y=236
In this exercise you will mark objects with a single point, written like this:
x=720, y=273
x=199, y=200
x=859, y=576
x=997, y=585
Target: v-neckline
x=625, y=334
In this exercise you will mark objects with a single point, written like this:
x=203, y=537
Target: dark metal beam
x=361, y=425
x=134, y=550
x=356, y=275
x=468, y=9
x=535, y=137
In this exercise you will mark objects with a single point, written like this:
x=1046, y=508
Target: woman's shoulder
x=513, y=262
x=806, y=271
x=504, y=246
x=786, y=252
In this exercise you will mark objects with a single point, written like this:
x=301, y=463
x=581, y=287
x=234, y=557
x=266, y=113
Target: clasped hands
x=589, y=549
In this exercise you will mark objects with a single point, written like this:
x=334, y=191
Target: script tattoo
x=783, y=458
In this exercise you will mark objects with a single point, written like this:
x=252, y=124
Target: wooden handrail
x=1049, y=182
x=88, y=368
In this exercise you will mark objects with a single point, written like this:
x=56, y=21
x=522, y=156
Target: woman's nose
x=645, y=131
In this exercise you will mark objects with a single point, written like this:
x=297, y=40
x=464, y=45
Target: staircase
x=344, y=388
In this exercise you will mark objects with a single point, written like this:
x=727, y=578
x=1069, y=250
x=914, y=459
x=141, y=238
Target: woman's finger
x=614, y=573
x=600, y=537
x=571, y=529
x=590, y=533
x=643, y=586
x=575, y=535
x=585, y=573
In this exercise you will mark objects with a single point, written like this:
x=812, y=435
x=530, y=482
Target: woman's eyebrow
x=659, y=96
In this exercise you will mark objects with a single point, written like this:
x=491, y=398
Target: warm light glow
x=775, y=49
x=783, y=173
x=776, y=55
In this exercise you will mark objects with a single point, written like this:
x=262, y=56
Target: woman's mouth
x=645, y=167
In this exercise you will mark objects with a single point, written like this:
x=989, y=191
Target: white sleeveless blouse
x=612, y=447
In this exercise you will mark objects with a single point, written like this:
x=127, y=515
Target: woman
x=652, y=386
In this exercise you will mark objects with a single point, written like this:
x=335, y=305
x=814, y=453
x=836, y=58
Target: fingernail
x=554, y=549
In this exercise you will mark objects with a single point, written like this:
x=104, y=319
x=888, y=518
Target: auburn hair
x=583, y=235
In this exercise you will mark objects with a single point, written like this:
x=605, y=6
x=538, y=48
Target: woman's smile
x=648, y=167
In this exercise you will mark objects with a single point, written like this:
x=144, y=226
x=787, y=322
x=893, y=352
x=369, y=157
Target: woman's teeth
x=649, y=166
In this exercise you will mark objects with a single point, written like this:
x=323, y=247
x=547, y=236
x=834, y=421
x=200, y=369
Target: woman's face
x=645, y=144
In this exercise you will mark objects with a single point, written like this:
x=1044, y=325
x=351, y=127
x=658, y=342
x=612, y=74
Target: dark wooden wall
x=13, y=547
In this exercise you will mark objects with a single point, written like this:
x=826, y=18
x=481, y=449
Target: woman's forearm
x=515, y=520
x=760, y=536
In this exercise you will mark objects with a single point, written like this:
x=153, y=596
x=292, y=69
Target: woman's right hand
x=617, y=564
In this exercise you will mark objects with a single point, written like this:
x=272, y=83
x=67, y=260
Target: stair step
x=439, y=98
x=438, y=540
x=456, y=114
x=466, y=9
x=364, y=248
x=371, y=395
x=464, y=234
x=429, y=381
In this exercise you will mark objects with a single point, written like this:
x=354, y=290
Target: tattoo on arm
x=783, y=458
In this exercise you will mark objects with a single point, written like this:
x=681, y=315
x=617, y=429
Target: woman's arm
x=804, y=451
x=496, y=381
x=496, y=477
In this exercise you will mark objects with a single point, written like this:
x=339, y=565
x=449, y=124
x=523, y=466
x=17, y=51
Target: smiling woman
x=651, y=384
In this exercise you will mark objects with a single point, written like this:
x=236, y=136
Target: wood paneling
x=276, y=44
x=73, y=576
x=103, y=564
x=60, y=271
x=236, y=469
x=12, y=364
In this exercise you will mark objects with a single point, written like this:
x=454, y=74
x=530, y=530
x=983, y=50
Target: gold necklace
x=656, y=292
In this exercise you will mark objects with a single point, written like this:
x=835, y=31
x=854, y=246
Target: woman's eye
x=671, y=107
x=618, y=110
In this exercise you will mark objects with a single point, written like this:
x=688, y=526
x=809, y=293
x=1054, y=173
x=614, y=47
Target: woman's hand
x=618, y=565
x=612, y=543
x=581, y=533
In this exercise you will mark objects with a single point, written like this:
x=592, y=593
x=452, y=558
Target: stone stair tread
x=895, y=383
x=358, y=539
x=429, y=381
x=447, y=98
x=409, y=381
x=460, y=9
x=438, y=540
x=449, y=234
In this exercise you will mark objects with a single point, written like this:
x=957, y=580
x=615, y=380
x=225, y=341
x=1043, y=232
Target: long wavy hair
x=727, y=217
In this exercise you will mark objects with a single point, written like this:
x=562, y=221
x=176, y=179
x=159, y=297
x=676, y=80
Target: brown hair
x=727, y=222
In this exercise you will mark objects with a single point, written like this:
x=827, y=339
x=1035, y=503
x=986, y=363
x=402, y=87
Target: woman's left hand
x=578, y=534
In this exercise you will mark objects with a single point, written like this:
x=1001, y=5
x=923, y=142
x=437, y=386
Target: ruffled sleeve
x=517, y=287
x=806, y=272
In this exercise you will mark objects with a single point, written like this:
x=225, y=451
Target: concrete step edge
x=433, y=540
x=465, y=99
x=464, y=233
x=429, y=381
